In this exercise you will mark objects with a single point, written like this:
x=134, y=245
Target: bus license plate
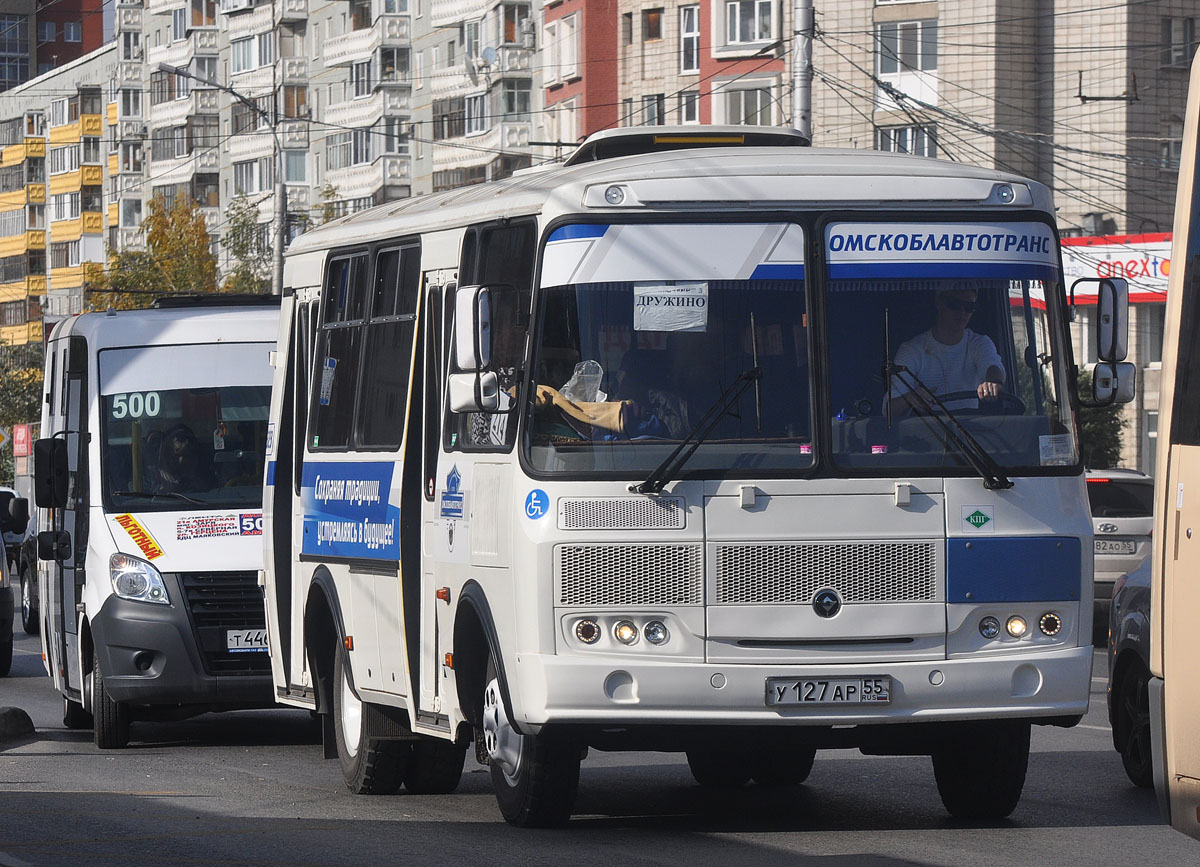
x=246, y=640
x=832, y=690
x=1114, y=546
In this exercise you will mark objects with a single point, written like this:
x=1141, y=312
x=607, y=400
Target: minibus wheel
x=535, y=779
x=980, y=771
x=29, y=612
x=110, y=719
x=369, y=766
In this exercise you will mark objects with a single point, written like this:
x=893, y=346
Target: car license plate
x=832, y=690
x=1114, y=546
x=246, y=640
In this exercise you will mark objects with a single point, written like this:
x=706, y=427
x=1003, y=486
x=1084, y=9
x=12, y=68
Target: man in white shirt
x=950, y=357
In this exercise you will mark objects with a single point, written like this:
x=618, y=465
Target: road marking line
x=1095, y=728
x=1099, y=680
x=9, y=861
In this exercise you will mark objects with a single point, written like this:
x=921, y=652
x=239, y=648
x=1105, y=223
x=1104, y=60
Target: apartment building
x=578, y=55
x=36, y=36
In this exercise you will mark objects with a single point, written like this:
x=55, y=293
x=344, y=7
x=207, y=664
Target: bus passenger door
x=74, y=518
x=430, y=378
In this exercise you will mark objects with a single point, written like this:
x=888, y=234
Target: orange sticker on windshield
x=140, y=536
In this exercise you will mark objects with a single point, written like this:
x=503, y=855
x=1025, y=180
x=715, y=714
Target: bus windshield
x=184, y=427
x=642, y=328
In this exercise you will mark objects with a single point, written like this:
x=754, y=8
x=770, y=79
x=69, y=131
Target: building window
x=131, y=45
x=65, y=255
x=515, y=96
x=393, y=64
x=689, y=106
x=203, y=132
x=204, y=13
x=12, y=223
x=652, y=24
x=449, y=118
x=131, y=103
x=476, y=107
x=295, y=100
x=360, y=153
x=626, y=28
x=266, y=48
x=360, y=14
x=131, y=157
x=47, y=32
x=906, y=45
x=471, y=38
x=514, y=19
x=244, y=181
x=205, y=68
x=337, y=152
x=241, y=54
x=361, y=74
x=751, y=106
x=91, y=199
x=91, y=149
x=72, y=31
x=748, y=21
x=1178, y=41
x=179, y=19
x=689, y=38
x=562, y=48
x=63, y=159
x=131, y=213
x=652, y=109
x=37, y=216
x=64, y=206
x=917, y=140
x=1172, y=146
x=295, y=167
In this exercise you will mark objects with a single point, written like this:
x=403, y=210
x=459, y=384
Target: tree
x=1099, y=430
x=328, y=196
x=178, y=259
x=20, y=395
x=249, y=247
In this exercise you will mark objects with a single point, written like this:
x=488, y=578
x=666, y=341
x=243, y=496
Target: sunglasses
x=960, y=306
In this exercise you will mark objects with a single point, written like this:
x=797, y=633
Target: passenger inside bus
x=180, y=463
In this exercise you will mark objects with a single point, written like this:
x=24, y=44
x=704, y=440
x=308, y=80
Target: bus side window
x=302, y=343
x=435, y=371
x=339, y=343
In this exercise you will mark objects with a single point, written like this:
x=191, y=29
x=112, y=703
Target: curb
x=14, y=724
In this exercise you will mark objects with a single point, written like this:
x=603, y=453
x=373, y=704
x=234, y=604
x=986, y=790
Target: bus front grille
x=622, y=513
x=794, y=572
x=629, y=574
x=218, y=602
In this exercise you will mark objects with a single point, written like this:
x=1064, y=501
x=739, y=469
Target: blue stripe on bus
x=270, y=473
x=788, y=271
x=579, y=230
x=1013, y=569
x=942, y=270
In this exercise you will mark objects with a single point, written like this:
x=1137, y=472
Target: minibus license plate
x=1114, y=546
x=246, y=640
x=832, y=690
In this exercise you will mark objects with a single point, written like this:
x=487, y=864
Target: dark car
x=27, y=579
x=1129, y=673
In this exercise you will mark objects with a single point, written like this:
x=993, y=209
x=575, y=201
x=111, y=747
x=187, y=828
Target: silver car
x=1122, y=517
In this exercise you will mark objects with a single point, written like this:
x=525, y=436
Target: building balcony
x=254, y=82
x=367, y=110
x=205, y=40
x=19, y=335
x=229, y=7
x=128, y=17
x=35, y=194
x=294, y=134
x=447, y=13
x=514, y=59
x=130, y=239
x=257, y=20
x=173, y=54
x=293, y=10
x=15, y=245
x=359, y=45
x=251, y=146
x=92, y=222
x=130, y=72
x=512, y=136
x=394, y=30
x=35, y=147
x=358, y=182
x=66, y=182
x=294, y=70
x=35, y=239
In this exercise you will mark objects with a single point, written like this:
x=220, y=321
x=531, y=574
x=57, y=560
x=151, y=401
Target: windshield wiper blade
x=679, y=456
x=153, y=494
x=977, y=456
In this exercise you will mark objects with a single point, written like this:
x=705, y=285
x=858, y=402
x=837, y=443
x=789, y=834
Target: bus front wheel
x=110, y=719
x=980, y=772
x=535, y=779
x=369, y=766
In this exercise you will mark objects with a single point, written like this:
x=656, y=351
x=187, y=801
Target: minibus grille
x=218, y=602
x=622, y=513
x=629, y=574
x=795, y=572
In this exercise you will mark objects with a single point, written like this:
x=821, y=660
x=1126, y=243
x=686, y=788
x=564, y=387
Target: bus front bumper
x=552, y=690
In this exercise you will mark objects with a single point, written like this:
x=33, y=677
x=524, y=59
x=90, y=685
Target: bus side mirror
x=1113, y=382
x=54, y=545
x=477, y=391
x=17, y=518
x=472, y=328
x=1112, y=320
x=50, y=473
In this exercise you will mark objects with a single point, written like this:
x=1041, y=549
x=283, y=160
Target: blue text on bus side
x=917, y=242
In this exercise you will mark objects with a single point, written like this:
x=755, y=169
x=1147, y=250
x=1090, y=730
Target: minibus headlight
x=137, y=580
x=1016, y=626
x=625, y=632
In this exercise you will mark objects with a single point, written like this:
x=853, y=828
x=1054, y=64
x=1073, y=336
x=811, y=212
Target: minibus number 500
x=136, y=405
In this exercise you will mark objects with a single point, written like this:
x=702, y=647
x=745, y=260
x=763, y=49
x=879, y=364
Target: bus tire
x=435, y=768
x=535, y=779
x=74, y=716
x=1133, y=726
x=110, y=719
x=29, y=612
x=720, y=769
x=369, y=766
x=981, y=772
x=783, y=767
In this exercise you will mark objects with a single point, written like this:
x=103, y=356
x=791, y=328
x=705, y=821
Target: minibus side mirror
x=54, y=545
x=1112, y=319
x=50, y=473
x=17, y=517
x=477, y=391
x=472, y=328
x=1113, y=382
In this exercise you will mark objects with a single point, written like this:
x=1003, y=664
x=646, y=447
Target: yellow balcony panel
x=112, y=114
x=35, y=239
x=93, y=272
x=35, y=147
x=12, y=155
x=66, y=230
x=13, y=292
x=66, y=278
x=13, y=199
x=36, y=194
x=67, y=182
x=65, y=134
x=113, y=164
x=12, y=245
x=92, y=176
x=113, y=214
x=93, y=222
x=91, y=124
x=36, y=332
x=14, y=335
x=36, y=284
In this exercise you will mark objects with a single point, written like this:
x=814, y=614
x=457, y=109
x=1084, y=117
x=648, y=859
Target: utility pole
x=280, y=234
x=802, y=71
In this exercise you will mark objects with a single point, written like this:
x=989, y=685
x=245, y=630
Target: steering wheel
x=1004, y=403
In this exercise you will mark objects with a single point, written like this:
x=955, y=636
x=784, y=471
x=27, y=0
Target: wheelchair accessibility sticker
x=537, y=504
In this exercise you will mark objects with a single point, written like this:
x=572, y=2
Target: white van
x=148, y=483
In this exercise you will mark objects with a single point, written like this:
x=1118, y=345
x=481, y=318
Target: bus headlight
x=625, y=632
x=1016, y=626
x=656, y=632
x=989, y=627
x=1050, y=624
x=137, y=580
x=587, y=631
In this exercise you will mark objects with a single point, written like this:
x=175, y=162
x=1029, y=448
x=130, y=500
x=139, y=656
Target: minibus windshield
x=184, y=427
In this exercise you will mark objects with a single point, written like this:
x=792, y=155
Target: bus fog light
x=625, y=632
x=989, y=628
x=1016, y=626
x=614, y=195
x=1051, y=623
x=656, y=632
x=587, y=631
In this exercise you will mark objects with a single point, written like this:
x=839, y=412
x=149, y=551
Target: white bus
x=149, y=487
x=603, y=457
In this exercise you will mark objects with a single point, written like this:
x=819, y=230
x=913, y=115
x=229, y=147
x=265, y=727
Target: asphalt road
x=250, y=788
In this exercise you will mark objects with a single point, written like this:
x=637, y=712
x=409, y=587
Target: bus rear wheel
x=980, y=773
x=369, y=766
x=110, y=718
x=535, y=779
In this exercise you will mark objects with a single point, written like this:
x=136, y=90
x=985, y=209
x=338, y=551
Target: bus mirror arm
x=54, y=545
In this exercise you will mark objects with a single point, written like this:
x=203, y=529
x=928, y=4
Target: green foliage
x=249, y=247
x=328, y=196
x=20, y=394
x=1099, y=430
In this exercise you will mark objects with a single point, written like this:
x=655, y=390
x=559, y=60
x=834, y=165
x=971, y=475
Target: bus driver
x=950, y=357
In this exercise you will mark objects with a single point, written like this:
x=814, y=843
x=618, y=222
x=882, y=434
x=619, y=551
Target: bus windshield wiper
x=929, y=403
x=153, y=494
x=698, y=434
